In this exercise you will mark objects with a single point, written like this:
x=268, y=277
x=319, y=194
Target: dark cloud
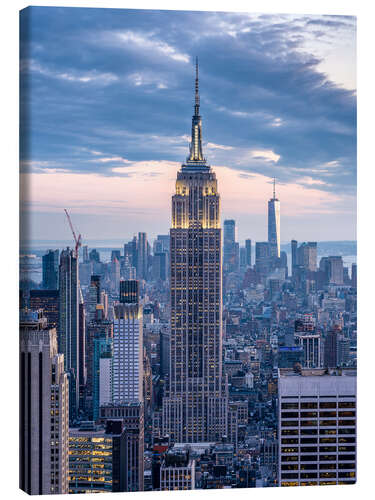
x=117, y=81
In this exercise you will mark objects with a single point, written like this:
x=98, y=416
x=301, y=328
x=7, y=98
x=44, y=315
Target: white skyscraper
x=127, y=364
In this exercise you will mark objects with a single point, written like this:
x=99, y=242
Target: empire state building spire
x=196, y=152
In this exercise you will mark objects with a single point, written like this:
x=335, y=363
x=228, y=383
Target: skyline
x=109, y=165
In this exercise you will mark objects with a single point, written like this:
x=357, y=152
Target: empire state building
x=195, y=406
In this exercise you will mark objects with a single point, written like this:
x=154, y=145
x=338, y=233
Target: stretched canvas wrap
x=188, y=277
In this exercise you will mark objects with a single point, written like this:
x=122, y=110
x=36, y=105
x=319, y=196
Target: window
x=289, y=414
x=327, y=404
x=285, y=406
x=308, y=405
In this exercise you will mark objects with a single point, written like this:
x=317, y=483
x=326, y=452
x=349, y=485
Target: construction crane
x=78, y=241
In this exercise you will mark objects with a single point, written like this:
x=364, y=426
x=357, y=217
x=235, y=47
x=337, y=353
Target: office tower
x=243, y=264
x=114, y=274
x=293, y=245
x=194, y=409
x=274, y=224
x=93, y=297
x=177, y=472
x=85, y=253
x=48, y=301
x=317, y=427
x=115, y=254
x=307, y=255
x=102, y=349
x=331, y=347
x=230, y=260
x=160, y=266
x=82, y=345
x=50, y=270
x=336, y=270
x=142, y=256
x=97, y=458
x=94, y=255
x=104, y=301
x=68, y=338
x=132, y=416
x=284, y=262
x=44, y=409
x=248, y=252
x=343, y=350
x=128, y=272
x=85, y=272
x=310, y=340
x=354, y=275
x=262, y=257
x=105, y=381
x=99, y=329
x=161, y=244
x=128, y=346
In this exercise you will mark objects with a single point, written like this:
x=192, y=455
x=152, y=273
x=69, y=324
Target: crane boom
x=76, y=240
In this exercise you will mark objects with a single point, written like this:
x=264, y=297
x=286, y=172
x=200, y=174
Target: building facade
x=50, y=270
x=127, y=365
x=274, y=224
x=68, y=338
x=195, y=406
x=317, y=427
x=44, y=409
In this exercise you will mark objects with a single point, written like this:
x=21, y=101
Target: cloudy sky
x=107, y=99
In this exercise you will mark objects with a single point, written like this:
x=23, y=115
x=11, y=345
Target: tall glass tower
x=274, y=224
x=195, y=406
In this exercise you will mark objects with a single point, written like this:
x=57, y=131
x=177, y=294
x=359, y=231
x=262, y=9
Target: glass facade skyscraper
x=274, y=224
x=68, y=331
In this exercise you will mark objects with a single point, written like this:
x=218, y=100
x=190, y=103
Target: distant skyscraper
x=336, y=270
x=82, y=344
x=248, y=252
x=68, y=338
x=262, y=257
x=307, y=255
x=294, y=245
x=160, y=266
x=50, y=268
x=331, y=348
x=243, y=258
x=195, y=407
x=93, y=297
x=114, y=274
x=354, y=275
x=274, y=224
x=85, y=253
x=230, y=259
x=94, y=255
x=142, y=256
x=44, y=408
x=128, y=346
x=310, y=340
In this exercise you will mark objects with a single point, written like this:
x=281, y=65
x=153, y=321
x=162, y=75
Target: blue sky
x=107, y=102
